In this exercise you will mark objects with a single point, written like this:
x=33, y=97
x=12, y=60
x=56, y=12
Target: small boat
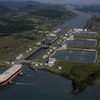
x=21, y=74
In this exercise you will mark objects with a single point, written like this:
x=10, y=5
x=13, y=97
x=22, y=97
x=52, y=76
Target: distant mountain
x=20, y=4
x=34, y=6
x=30, y=4
x=48, y=13
x=89, y=8
x=4, y=9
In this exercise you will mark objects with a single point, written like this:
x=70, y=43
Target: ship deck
x=9, y=72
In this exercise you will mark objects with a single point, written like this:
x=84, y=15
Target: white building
x=64, y=37
x=38, y=43
x=71, y=37
x=85, y=30
x=50, y=50
x=59, y=67
x=58, y=42
x=77, y=30
x=44, y=56
x=19, y=56
x=64, y=45
x=52, y=34
x=36, y=64
x=30, y=49
x=66, y=34
x=51, y=60
x=27, y=51
x=12, y=63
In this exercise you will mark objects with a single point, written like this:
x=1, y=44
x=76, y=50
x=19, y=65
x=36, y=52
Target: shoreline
x=75, y=91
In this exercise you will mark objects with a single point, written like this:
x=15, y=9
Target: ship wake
x=20, y=83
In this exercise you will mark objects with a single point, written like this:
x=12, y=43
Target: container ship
x=7, y=76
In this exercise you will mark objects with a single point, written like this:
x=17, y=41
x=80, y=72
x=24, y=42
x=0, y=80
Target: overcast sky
x=72, y=1
x=64, y=1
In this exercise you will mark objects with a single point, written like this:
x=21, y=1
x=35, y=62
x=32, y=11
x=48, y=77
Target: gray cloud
x=72, y=1
x=64, y=1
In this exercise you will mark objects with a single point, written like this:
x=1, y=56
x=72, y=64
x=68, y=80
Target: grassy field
x=69, y=68
x=13, y=45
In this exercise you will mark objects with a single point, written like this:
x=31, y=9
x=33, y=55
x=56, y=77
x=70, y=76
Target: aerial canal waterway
x=36, y=54
x=43, y=85
x=77, y=22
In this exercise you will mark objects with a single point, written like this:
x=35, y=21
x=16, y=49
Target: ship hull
x=9, y=80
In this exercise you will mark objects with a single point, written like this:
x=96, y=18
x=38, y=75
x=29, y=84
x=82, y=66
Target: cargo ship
x=7, y=76
x=57, y=31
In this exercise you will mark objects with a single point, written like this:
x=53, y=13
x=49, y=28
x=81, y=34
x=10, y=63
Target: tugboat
x=21, y=74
